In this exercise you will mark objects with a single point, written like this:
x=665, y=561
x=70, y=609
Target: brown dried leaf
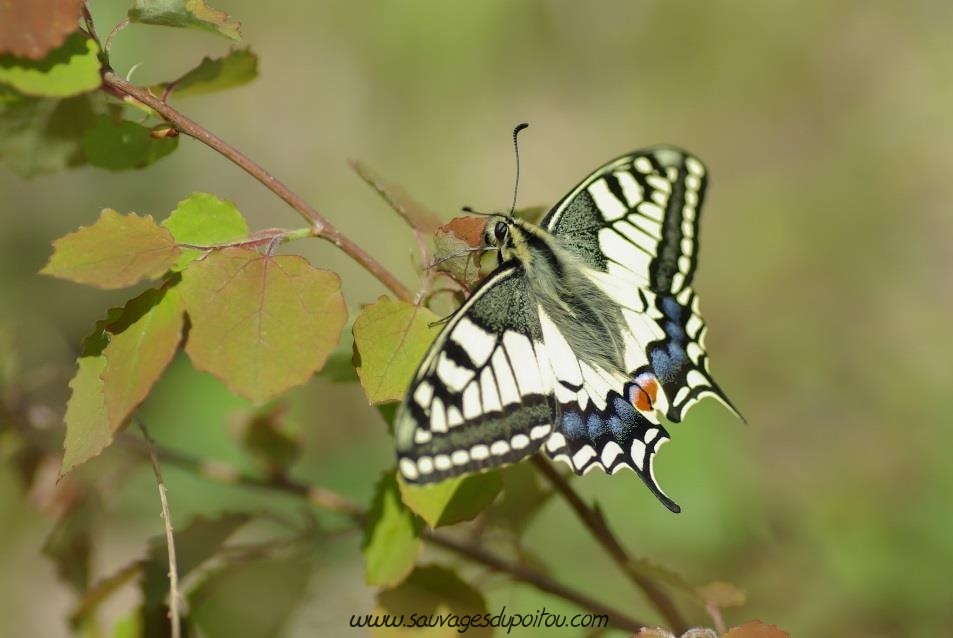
x=32, y=28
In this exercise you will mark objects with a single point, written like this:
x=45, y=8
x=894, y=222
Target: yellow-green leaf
x=261, y=323
x=88, y=431
x=115, y=252
x=68, y=70
x=391, y=536
x=454, y=500
x=390, y=339
x=186, y=14
x=141, y=346
x=203, y=219
x=122, y=360
x=430, y=592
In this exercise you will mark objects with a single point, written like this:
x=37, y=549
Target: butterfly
x=585, y=332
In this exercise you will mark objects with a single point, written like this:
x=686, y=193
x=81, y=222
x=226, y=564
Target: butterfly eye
x=500, y=231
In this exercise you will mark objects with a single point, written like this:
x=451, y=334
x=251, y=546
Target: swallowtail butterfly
x=586, y=330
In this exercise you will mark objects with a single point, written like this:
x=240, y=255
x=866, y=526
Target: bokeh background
x=825, y=278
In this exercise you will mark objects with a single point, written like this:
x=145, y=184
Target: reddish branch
x=320, y=226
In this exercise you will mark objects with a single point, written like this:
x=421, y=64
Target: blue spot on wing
x=571, y=424
x=595, y=426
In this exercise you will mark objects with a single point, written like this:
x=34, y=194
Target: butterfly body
x=585, y=330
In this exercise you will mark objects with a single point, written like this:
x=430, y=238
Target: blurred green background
x=825, y=278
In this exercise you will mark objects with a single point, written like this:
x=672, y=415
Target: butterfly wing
x=634, y=223
x=483, y=395
x=600, y=418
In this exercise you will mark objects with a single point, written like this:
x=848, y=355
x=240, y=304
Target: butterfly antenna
x=516, y=150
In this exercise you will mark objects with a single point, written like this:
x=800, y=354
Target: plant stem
x=320, y=226
x=332, y=501
x=524, y=574
x=174, y=614
x=597, y=526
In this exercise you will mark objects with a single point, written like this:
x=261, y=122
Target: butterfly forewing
x=635, y=222
x=483, y=395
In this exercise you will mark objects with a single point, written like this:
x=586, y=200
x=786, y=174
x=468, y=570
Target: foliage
x=262, y=323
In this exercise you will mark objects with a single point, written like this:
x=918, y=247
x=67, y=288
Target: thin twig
x=320, y=226
x=174, y=614
x=223, y=473
x=524, y=574
x=601, y=532
x=332, y=501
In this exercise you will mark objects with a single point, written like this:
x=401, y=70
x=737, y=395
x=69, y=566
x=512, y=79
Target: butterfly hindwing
x=483, y=395
x=597, y=416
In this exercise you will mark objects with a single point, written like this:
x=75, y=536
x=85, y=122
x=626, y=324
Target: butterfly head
x=507, y=235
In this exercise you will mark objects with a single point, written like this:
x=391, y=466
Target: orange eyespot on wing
x=644, y=392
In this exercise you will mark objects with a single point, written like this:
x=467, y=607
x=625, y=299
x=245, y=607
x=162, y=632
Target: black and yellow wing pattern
x=587, y=330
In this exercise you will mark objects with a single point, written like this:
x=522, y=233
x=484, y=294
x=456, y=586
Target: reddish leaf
x=32, y=28
x=261, y=323
x=115, y=252
x=457, y=247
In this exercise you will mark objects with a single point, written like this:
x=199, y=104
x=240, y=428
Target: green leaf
x=442, y=604
x=115, y=252
x=122, y=145
x=454, y=500
x=204, y=220
x=261, y=323
x=69, y=70
x=239, y=67
x=522, y=498
x=417, y=216
x=121, y=361
x=42, y=135
x=390, y=339
x=187, y=14
x=30, y=29
x=252, y=599
x=391, y=536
